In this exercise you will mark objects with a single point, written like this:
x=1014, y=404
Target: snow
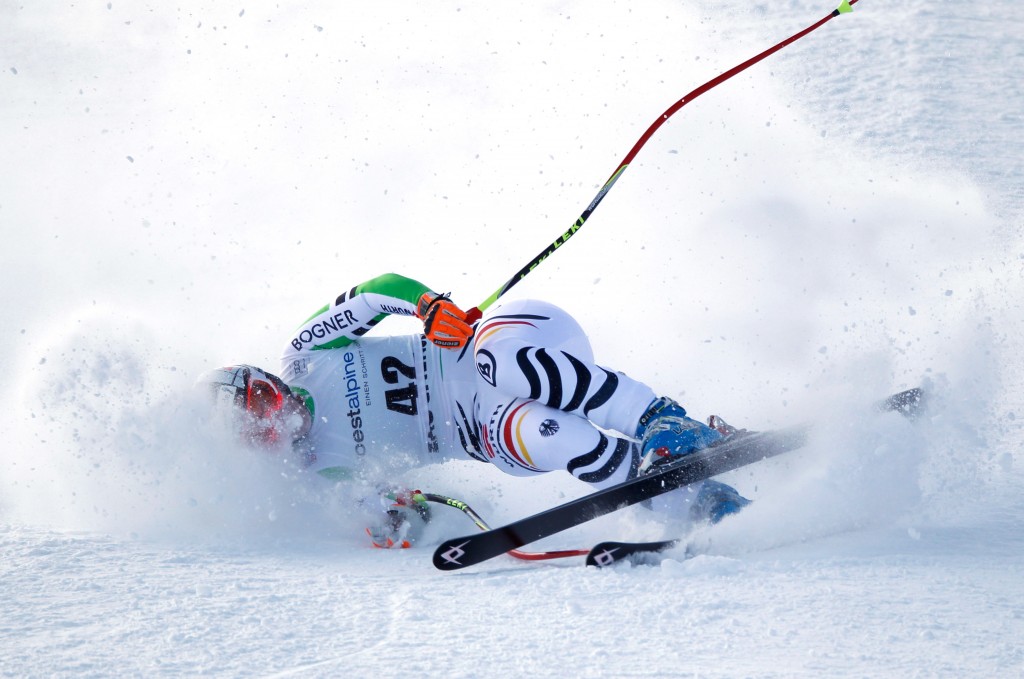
x=842, y=221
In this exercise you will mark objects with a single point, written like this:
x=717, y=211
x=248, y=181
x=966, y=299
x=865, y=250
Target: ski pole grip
x=473, y=315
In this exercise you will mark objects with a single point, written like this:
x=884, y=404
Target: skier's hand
x=406, y=513
x=444, y=323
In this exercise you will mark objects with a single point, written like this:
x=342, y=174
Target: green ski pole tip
x=844, y=7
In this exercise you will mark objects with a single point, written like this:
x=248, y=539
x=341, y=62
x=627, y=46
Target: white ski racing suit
x=524, y=395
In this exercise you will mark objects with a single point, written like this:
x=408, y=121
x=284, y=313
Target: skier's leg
x=536, y=351
x=523, y=437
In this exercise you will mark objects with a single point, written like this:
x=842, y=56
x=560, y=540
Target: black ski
x=607, y=553
x=909, y=403
x=739, y=450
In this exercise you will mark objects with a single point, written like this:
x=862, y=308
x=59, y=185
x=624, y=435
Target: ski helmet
x=262, y=404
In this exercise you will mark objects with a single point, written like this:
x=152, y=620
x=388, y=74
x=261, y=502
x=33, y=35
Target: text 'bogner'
x=325, y=328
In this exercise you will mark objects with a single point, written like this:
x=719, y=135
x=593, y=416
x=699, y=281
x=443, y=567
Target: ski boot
x=715, y=501
x=667, y=433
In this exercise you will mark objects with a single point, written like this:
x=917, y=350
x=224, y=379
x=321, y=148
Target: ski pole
x=482, y=525
x=474, y=313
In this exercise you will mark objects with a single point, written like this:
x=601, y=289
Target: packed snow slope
x=186, y=182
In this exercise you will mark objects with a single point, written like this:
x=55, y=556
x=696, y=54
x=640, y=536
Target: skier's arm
x=356, y=311
x=395, y=515
x=405, y=514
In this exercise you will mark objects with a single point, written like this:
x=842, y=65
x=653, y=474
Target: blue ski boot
x=715, y=501
x=667, y=433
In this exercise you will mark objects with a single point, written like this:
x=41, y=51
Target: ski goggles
x=260, y=394
x=262, y=398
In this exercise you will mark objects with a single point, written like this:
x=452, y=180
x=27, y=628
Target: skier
x=518, y=388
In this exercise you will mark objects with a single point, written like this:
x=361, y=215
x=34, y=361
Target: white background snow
x=185, y=182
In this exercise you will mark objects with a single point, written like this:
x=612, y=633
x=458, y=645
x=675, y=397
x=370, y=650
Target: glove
x=444, y=323
x=406, y=513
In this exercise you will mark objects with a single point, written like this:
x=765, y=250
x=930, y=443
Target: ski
x=739, y=450
x=607, y=553
x=909, y=403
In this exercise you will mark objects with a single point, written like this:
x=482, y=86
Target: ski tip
x=448, y=557
x=844, y=7
x=607, y=553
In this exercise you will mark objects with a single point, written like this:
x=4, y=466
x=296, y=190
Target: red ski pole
x=474, y=313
